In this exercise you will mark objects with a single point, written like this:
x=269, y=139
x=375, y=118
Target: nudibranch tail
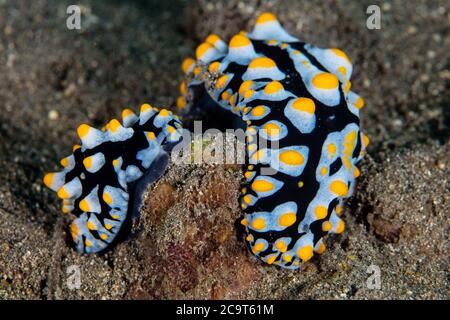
x=97, y=178
x=303, y=134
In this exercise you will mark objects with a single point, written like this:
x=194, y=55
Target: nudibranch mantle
x=297, y=95
x=96, y=180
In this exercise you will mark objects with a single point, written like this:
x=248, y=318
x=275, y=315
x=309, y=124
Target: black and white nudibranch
x=95, y=182
x=297, y=95
x=283, y=91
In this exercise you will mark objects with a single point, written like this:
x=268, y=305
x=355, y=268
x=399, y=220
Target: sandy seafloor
x=129, y=52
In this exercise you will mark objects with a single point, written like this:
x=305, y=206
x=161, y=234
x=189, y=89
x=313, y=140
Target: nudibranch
x=296, y=96
x=97, y=179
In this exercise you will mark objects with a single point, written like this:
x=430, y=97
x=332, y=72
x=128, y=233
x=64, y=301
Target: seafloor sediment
x=129, y=52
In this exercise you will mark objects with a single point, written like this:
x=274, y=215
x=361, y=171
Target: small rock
x=53, y=115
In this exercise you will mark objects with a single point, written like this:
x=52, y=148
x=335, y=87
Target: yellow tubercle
x=145, y=107
x=186, y=65
x=339, y=187
x=84, y=205
x=305, y=253
x=202, y=49
x=258, y=224
x=127, y=113
x=325, y=80
x=62, y=194
x=114, y=125
x=238, y=41
x=273, y=87
x=262, y=186
x=48, y=179
x=266, y=17
x=83, y=130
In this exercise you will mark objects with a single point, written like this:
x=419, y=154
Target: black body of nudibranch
x=98, y=177
x=297, y=96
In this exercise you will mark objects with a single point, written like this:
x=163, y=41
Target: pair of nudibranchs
x=283, y=91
